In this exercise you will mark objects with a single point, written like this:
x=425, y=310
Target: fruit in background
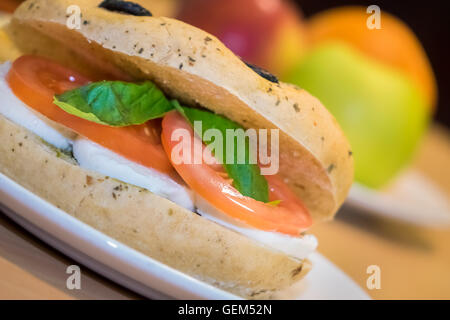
x=8, y=50
x=268, y=33
x=381, y=110
x=164, y=8
x=9, y=5
x=378, y=83
x=394, y=44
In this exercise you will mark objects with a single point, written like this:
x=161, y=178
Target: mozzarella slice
x=94, y=157
x=297, y=247
x=16, y=111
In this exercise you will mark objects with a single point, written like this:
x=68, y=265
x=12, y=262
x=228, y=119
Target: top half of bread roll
x=195, y=67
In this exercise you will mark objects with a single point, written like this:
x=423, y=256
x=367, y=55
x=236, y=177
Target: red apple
x=268, y=33
x=9, y=5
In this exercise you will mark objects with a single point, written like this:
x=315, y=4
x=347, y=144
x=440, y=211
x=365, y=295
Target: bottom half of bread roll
x=146, y=222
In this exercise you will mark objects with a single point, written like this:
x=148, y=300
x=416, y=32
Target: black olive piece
x=125, y=7
x=263, y=73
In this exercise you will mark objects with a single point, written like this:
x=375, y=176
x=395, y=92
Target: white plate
x=138, y=272
x=411, y=198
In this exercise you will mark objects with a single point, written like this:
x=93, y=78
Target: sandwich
x=114, y=116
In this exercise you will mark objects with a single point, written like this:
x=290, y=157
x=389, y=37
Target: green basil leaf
x=118, y=103
x=115, y=103
x=247, y=178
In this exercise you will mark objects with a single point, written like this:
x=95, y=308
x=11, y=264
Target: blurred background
x=385, y=76
x=430, y=25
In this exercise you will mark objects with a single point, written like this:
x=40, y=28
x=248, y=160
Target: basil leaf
x=115, y=103
x=247, y=178
x=118, y=103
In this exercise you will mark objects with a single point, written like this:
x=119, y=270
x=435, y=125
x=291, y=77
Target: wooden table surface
x=414, y=261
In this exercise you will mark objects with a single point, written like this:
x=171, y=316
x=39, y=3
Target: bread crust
x=144, y=221
x=196, y=68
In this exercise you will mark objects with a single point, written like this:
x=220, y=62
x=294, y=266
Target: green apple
x=381, y=111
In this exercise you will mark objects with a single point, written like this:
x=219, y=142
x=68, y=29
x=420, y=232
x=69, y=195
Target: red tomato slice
x=35, y=81
x=289, y=217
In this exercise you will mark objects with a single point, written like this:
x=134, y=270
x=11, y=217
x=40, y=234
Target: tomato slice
x=289, y=217
x=35, y=81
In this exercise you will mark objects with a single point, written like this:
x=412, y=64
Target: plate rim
x=141, y=273
x=181, y=285
x=378, y=203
